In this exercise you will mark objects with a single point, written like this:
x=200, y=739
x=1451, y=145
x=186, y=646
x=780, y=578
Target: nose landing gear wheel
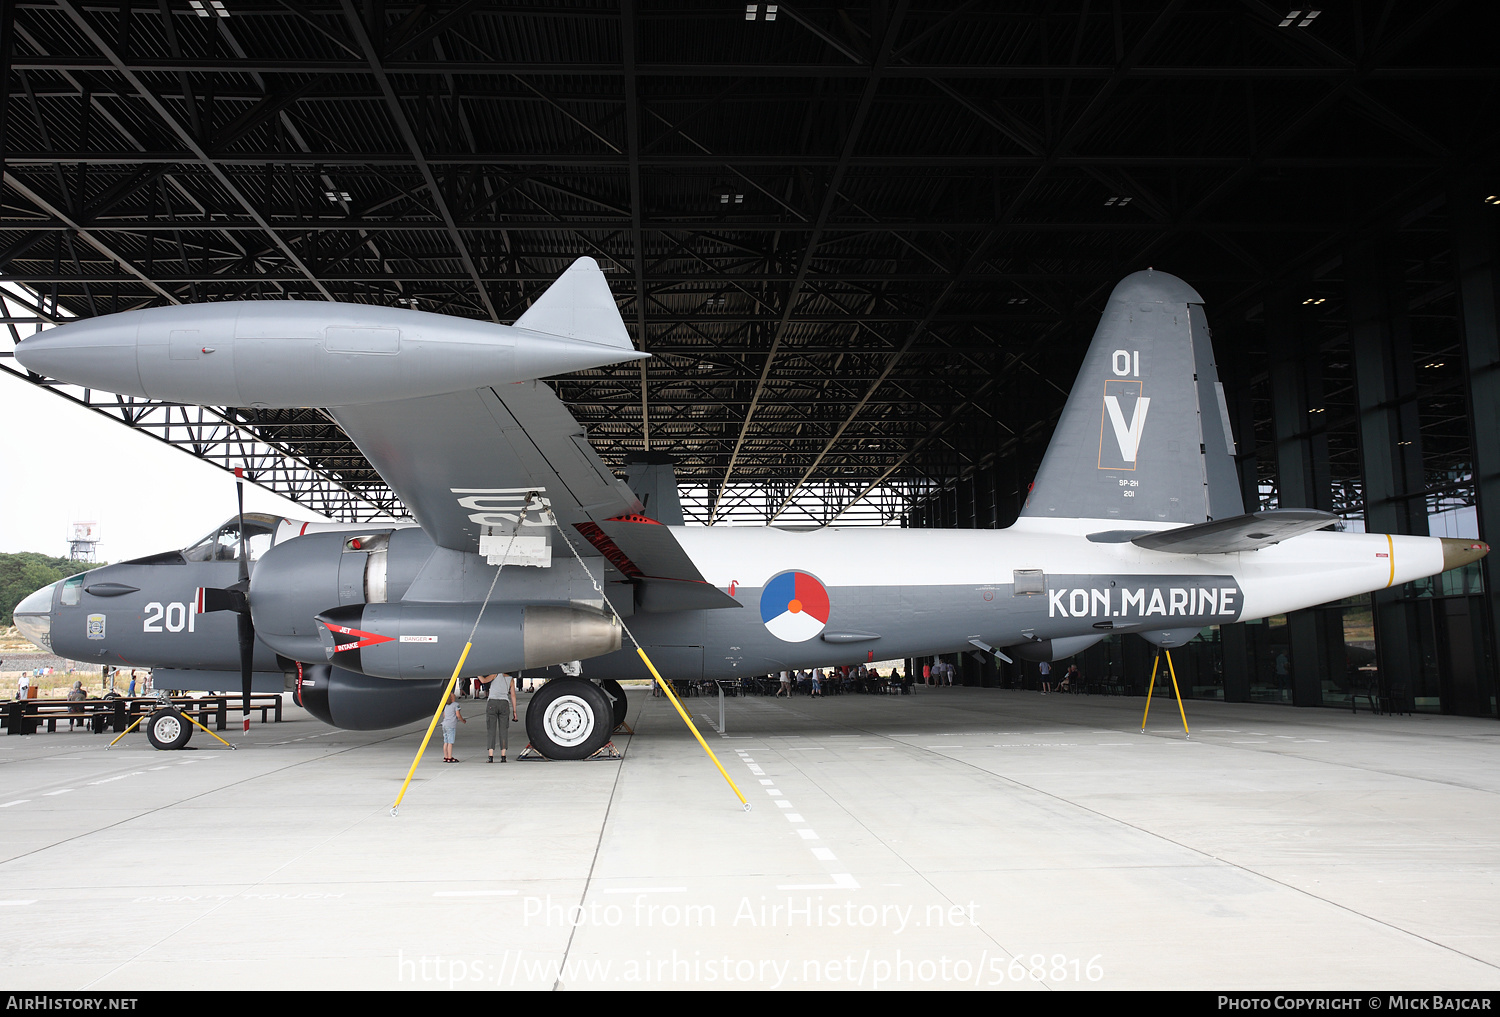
x=166, y=729
x=570, y=718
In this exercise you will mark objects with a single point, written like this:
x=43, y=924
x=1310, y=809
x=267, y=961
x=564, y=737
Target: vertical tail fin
x=579, y=305
x=653, y=478
x=1145, y=433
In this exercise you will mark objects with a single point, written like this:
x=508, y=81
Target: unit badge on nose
x=794, y=606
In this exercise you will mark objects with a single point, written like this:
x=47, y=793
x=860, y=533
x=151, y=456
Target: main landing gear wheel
x=616, y=695
x=570, y=718
x=168, y=729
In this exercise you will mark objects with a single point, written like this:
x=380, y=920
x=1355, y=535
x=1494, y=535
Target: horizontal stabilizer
x=578, y=305
x=1237, y=533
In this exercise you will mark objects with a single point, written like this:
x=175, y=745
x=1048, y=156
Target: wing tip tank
x=1460, y=551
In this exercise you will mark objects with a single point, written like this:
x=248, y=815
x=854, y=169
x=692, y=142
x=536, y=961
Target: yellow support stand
x=185, y=716
x=667, y=688
x=188, y=717
x=432, y=725
x=1155, y=661
x=134, y=724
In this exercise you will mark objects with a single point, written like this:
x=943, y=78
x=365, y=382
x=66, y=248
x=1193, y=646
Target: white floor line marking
x=649, y=889
x=783, y=804
x=475, y=893
x=158, y=767
x=768, y=782
x=756, y=770
x=772, y=791
x=64, y=791
x=824, y=855
x=944, y=746
x=792, y=817
x=15, y=903
x=18, y=801
x=841, y=881
x=806, y=834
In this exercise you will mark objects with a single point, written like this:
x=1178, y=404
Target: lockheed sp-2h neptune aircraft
x=1134, y=523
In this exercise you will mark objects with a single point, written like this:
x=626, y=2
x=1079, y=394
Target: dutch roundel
x=794, y=606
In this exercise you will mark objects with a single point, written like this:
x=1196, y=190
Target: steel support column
x=1389, y=438
x=7, y=49
x=1475, y=250
x=1301, y=461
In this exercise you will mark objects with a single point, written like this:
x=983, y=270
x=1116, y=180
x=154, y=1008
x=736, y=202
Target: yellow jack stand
x=1155, y=661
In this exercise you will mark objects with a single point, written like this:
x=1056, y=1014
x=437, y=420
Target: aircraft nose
x=33, y=616
x=95, y=353
x=1461, y=550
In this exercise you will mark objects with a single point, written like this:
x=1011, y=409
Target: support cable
x=641, y=651
x=468, y=645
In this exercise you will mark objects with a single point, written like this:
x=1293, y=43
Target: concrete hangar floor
x=954, y=838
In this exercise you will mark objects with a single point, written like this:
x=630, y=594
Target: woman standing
x=496, y=717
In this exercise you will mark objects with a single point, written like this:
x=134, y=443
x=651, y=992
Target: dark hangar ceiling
x=866, y=244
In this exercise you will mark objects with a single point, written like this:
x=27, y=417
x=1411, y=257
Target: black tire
x=615, y=693
x=568, y=718
x=168, y=729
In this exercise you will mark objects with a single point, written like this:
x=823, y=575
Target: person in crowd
x=76, y=695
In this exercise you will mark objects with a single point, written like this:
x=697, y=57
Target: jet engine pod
x=297, y=578
x=422, y=640
x=1054, y=649
x=356, y=702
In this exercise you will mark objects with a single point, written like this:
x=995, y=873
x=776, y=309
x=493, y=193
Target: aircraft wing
x=1237, y=533
x=465, y=461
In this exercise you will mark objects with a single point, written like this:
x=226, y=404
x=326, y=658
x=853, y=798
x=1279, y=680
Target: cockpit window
x=224, y=543
x=70, y=589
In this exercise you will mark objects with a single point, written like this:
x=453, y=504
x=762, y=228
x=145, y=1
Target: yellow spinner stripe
x=1391, y=545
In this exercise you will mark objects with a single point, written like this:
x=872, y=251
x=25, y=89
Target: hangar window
x=1028, y=581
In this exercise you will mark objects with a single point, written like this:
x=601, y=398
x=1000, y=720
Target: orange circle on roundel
x=795, y=607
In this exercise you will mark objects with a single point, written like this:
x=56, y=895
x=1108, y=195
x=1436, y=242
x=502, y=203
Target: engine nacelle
x=358, y=702
x=424, y=640
x=298, y=578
